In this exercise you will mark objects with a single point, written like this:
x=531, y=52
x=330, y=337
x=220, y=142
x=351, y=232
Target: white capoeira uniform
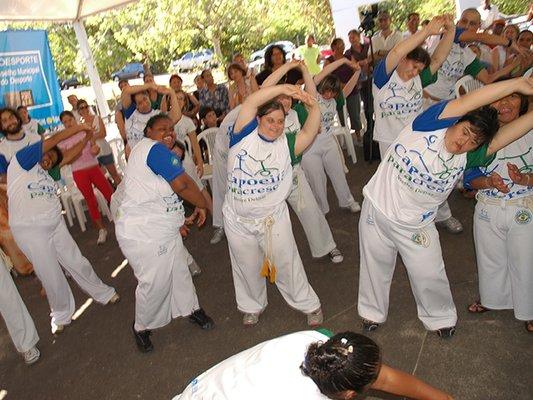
x=40, y=232
x=257, y=223
x=220, y=162
x=303, y=202
x=503, y=235
x=8, y=148
x=147, y=229
x=269, y=370
x=15, y=314
x=323, y=157
x=182, y=128
x=401, y=200
x=135, y=122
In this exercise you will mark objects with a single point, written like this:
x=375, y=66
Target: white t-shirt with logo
x=417, y=173
x=149, y=210
x=8, y=148
x=268, y=371
x=259, y=172
x=31, y=191
x=328, y=110
x=135, y=124
x=292, y=123
x=396, y=102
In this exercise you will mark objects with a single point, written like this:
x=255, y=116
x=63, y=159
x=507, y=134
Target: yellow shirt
x=310, y=55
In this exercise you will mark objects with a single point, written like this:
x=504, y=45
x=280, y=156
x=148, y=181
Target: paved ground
x=95, y=358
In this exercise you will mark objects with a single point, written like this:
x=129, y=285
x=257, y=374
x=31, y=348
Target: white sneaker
x=315, y=318
x=250, y=319
x=217, y=236
x=102, y=236
x=452, y=225
x=57, y=329
x=336, y=256
x=115, y=299
x=355, y=207
x=32, y=355
x=194, y=269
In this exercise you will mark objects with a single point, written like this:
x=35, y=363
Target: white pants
x=14, y=312
x=247, y=241
x=165, y=289
x=504, y=248
x=321, y=158
x=444, y=212
x=380, y=240
x=304, y=204
x=48, y=246
x=220, y=183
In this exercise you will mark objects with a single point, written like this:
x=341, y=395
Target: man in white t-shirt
x=386, y=38
x=417, y=174
x=489, y=13
x=137, y=110
x=413, y=20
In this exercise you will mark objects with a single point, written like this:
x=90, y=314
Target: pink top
x=86, y=159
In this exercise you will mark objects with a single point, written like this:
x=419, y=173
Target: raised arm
x=350, y=85
x=53, y=141
x=486, y=95
x=403, y=48
x=487, y=38
x=328, y=69
x=276, y=76
x=511, y=131
x=127, y=94
x=255, y=100
x=309, y=83
x=74, y=152
x=195, y=106
x=101, y=129
x=175, y=110
x=445, y=45
x=312, y=124
x=487, y=78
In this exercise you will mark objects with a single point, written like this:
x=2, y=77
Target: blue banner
x=28, y=76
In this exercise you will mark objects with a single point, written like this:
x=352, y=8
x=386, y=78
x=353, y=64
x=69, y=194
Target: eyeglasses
x=82, y=107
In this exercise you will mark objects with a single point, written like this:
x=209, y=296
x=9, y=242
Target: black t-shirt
x=290, y=77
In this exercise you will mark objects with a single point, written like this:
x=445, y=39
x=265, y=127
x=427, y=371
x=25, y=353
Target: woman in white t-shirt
x=310, y=365
x=105, y=157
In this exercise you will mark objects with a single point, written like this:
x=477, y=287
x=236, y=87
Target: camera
x=367, y=23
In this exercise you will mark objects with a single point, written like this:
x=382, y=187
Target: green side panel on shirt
x=340, y=100
x=291, y=141
x=156, y=105
x=474, y=68
x=55, y=173
x=427, y=77
x=40, y=129
x=479, y=157
x=326, y=332
x=302, y=113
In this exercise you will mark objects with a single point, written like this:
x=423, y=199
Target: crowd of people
x=275, y=144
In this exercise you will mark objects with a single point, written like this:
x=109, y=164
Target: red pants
x=85, y=179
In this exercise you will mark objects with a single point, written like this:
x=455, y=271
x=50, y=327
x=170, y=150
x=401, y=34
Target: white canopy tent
x=65, y=11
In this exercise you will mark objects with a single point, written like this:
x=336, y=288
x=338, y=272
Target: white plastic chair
x=208, y=170
x=468, y=84
x=117, y=146
x=344, y=133
x=208, y=136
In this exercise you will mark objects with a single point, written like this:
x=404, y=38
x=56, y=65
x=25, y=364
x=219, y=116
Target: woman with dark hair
x=503, y=221
x=148, y=223
x=192, y=105
x=275, y=57
x=241, y=86
x=333, y=367
x=256, y=217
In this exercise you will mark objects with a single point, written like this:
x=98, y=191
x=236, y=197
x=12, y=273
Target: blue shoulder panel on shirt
x=458, y=32
x=130, y=110
x=236, y=137
x=471, y=174
x=3, y=164
x=380, y=74
x=30, y=155
x=164, y=162
x=429, y=120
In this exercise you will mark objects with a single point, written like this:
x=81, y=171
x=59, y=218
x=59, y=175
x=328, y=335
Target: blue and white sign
x=28, y=76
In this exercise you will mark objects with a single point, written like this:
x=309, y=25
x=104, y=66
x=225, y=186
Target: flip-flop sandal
x=369, y=326
x=478, y=308
x=529, y=326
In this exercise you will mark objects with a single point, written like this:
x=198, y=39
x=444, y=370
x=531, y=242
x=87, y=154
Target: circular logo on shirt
x=523, y=217
x=421, y=238
x=175, y=161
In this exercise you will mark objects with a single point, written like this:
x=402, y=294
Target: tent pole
x=94, y=78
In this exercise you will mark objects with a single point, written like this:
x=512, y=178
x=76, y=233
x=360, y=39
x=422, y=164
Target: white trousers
x=504, y=248
x=444, y=212
x=220, y=183
x=247, y=241
x=321, y=158
x=380, y=241
x=15, y=314
x=165, y=289
x=48, y=246
x=304, y=204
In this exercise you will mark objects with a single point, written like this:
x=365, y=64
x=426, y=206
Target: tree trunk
x=216, y=47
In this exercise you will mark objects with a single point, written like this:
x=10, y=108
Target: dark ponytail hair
x=347, y=361
x=153, y=120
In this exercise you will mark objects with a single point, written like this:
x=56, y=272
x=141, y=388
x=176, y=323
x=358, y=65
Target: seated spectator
x=200, y=84
x=29, y=125
x=192, y=104
x=156, y=98
x=275, y=57
x=241, y=86
x=213, y=95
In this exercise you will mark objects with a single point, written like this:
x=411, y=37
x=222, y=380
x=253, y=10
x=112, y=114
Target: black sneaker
x=369, y=326
x=143, y=340
x=200, y=318
x=446, y=333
